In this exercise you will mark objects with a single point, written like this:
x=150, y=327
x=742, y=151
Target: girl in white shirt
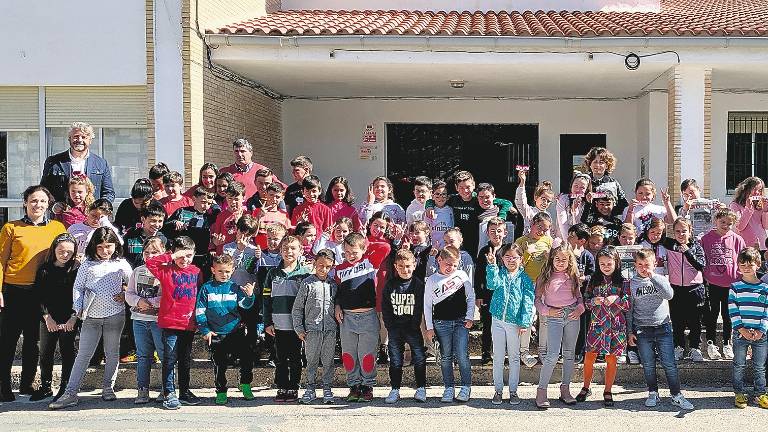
x=642, y=209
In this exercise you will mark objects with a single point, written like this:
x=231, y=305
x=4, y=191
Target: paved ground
x=714, y=411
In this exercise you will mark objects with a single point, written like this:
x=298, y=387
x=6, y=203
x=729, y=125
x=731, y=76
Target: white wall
x=652, y=138
x=473, y=5
x=73, y=42
x=330, y=132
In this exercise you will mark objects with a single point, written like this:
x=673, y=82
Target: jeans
x=232, y=343
x=177, y=348
x=48, y=341
x=148, y=338
x=561, y=333
x=659, y=337
x=759, y=353
x=454, y=344
x=506, y=340
x=21, y=315
x=398, y=337
x=90, y=333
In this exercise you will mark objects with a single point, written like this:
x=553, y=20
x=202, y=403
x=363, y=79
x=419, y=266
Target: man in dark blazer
x=58, y=169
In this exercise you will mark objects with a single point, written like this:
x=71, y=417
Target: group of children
x=300, y=269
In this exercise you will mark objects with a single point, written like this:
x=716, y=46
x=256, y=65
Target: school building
x=675, y=88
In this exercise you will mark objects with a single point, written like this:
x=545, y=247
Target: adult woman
x=24, y=245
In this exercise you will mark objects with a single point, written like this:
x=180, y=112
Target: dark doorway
x=573, y=148
x=489, y=151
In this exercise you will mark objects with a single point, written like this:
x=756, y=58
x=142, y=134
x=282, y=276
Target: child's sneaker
x=309, y=396
x=171, y=402
x=653, y=399
x=728, y=352
x=712, y=351
x=328, y=396
x=514, y=399
x=189, y=398
x=696, y=355
x=740, y=401
x=497, y=398
x=448, y=395
x=681, y=402
x=528, y=360
x=291, y=395
x=280, y=397
x=66, y=401
x=354, y=394
x=762, y=400
x=394, y=396
x=366, y=394
x=464, y=393
x=221, y=398
x=421, y=394
x=142, y=397
x=160, y=397
x=679, y=351
x=247, y=392
x=633, y=358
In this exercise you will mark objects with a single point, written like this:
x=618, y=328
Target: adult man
x=244, y=169
x=59, y=168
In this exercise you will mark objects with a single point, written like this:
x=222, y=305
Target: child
x=270, y=213
x=307, y=234
x=721, y=249
x=570, y=207
x=312, y=210
x=80, y=198
x=691, y=197
x=685, y=261
x=751, y=209
x=641, y=209
x=244, y=253
x=224, y=230
x=417, y=241
x=599, y=212
x=402, y=309
x=223, y=180
x=578, y=235
x=143, y=296
x=315, y=325
x=179, y=282
x=449, y=310
x=195, y=222
x=380, y=199
x=341, y=201
x=441, y=219
x=535, y=246
x=99, y=213
x=284, y=283
x=422, y=191
x=333, y=238
x=301, y=167
x=356, y=313
x=128, y=213
x=512, y=311
x=54, y=281
x=649, y=327
x=747, y=307
x=207, y=179
x=98, y=301
x=558, y=297
x=493, y=207
x=596, y=239
x=156, y=175
x=496, y=230
x=152, y=217
x=454, y=238
x=270, y=258
x=543, y=196
x=653, y=238
x=173, y=182
x=627, y=234
x=607, y=299
x=217, y=316
x=599, y=163
x=262, y=180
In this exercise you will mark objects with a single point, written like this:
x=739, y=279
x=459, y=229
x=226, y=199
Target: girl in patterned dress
x=607, y=297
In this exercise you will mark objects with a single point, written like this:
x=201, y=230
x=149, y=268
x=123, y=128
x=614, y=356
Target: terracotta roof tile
x=676, y=18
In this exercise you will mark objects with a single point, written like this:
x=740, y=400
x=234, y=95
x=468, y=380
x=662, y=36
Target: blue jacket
x=58, y=170
x=512, y=299
x=216, y=308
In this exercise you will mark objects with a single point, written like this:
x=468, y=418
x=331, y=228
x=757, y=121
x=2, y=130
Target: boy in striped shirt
x=218, y=319
x=747, y=304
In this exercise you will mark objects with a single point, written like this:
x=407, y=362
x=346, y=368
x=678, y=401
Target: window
x=20, y=167
x=747, y=147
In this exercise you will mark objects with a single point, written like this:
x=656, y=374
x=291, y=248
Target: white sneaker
x=448, y=394
x=681, y=402
x=528, y=360
x=464, y=393
x=696, y=355
x=679, y=351
x=728, y=352
x=421, y=394
x=653, y=399
x=712, y=351
x=394, y=396
x=621, y=359
x=633, y=357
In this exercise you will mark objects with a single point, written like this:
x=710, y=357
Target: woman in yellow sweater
x=24, y=244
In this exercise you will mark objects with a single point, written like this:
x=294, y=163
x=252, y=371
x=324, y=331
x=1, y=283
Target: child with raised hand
x=217, y=315
x=641, y=210
x=751, y=209
x=179, y=281
x=454, y=238
x=511, y=308
x=381, y=199
x=543, y=196
x=599, y=163
x=721, y=249
x=449, y=309
x=54, y=281
x=314, y=322
x=270, y=213
x=607, y=299
x=195, y=221
x=569, y=208
x=402, y=309
x=685, y=261
x=312, y=210
x=558, y=297
x=99, y=300
x=79, y=199
x=99, y=213
x=340, y=199
x=747, y=307
x=143, y=296
x=333, y=238
x=283, y=282
x=653, y=238
x=422, y=191
x=649, y=327
x=440, y=217
x=496, y=231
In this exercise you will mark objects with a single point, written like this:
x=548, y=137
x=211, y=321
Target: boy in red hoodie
x=179, y=280
x=721, y=248
x=311, y=209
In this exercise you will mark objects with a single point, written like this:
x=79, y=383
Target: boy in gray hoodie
x=649, y=327
x=315, y=324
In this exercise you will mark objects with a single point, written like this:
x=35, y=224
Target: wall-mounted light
x=632, y=61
